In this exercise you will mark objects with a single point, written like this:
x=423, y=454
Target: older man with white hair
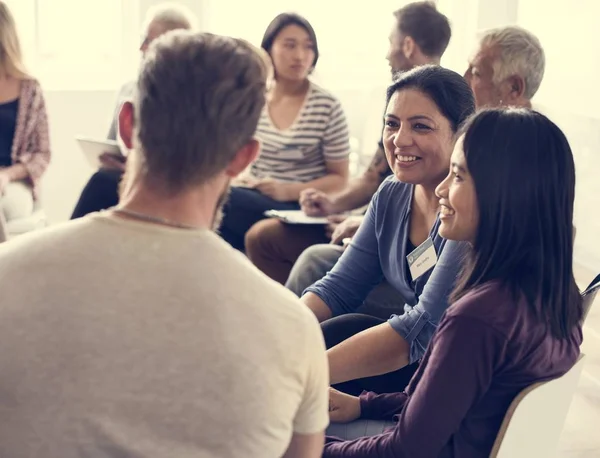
x=101, y=191
x=507, y=68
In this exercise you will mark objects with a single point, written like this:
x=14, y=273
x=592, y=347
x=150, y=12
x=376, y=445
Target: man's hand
x=4, y=180
x=276, y=190
x=334, y=222
x=346, y=229
x=316, y=203
x=343, y=408
x=111, y=161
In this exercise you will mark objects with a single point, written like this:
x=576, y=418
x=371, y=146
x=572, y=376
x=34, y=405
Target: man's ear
x=126, y=121
x=408, y=47
x=515, y=87
x=243, y=158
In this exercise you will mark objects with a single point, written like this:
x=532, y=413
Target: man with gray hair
x=139, y=331
x=507, y=68
x=100, y=191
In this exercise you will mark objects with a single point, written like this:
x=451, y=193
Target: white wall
x=570, y=96
x=353, y=67
x=88, y=113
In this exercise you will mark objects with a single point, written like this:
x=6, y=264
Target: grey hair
x=171, y=16
x=520, y=53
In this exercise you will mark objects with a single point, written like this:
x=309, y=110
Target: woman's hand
x=316, y=203
x=333, y=222
x=276, y=190
x=343, y=408
x=110, y=161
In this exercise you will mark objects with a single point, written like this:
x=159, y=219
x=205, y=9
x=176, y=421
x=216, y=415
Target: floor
x=580, y=437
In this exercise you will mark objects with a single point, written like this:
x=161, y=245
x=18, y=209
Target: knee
x=311, y=266
x=104, y=179
x=261, y=236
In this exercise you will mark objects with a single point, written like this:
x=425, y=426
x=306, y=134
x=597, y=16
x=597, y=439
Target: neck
x=421, y=59
x=191, y=208
x=426, y=198
x=523, y=103
x=283, y=87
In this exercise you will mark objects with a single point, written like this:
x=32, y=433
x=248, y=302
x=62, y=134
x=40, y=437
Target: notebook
x=296, y=217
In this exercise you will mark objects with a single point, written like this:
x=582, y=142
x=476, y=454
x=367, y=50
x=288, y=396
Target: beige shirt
x=121, y=338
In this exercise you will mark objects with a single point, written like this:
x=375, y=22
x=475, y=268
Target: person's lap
x=243, y=209
x=343, y=327
x=311, y=266
x=17, y=201
x=274, y=246
x=314, y=263
x=100, y=193
x=358, y=428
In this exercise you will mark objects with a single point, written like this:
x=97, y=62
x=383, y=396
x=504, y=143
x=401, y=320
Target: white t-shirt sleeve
x=313, y=413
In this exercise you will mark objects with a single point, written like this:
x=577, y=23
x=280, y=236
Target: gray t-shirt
x=121, y=338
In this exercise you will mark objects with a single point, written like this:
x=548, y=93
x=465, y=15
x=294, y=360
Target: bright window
x=78, y=45
x=352, y=41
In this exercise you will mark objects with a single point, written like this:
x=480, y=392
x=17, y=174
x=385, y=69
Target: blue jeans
x=244, y=208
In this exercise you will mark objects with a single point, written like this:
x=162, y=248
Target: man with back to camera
x=127, y=338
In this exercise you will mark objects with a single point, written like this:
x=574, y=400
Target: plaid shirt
x=31, y=144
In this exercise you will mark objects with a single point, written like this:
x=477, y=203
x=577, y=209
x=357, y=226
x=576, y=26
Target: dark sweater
x=487, y=349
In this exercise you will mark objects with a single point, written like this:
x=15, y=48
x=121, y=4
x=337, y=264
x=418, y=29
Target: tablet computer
x=93, y=148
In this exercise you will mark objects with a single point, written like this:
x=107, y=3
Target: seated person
x=303, y=134
x=101, y=191
x=419, y=36
x=398, y=240
x=24, y=141
x=506, y=70
x=118, y=350
x=516, y=312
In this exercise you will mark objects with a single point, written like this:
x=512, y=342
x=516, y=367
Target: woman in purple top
x=516, y=312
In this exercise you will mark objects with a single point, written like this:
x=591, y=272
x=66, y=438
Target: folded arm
x=404, y=338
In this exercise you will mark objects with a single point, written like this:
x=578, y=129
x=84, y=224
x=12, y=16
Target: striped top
x=318, y=134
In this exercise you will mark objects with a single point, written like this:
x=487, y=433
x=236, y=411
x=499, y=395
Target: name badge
x=422, y=259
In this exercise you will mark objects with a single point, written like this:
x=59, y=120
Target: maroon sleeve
x=459, y=371
x=381, y=406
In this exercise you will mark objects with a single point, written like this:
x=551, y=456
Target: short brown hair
x=198, y=100
x=429, y=28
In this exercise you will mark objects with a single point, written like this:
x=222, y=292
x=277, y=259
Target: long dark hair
x=448, y=90
x=283, y=20
x=524, y=176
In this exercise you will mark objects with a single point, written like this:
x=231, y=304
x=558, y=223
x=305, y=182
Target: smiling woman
x=398, y=241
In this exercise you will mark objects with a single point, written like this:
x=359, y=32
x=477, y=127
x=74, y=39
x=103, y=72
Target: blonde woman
x=24, y=143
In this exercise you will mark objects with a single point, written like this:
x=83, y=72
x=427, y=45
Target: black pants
x=100, y=192
x=342, y=327
x=244, y=208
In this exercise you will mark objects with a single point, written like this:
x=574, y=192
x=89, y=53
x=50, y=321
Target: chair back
x=535, y=419
x=589, y=295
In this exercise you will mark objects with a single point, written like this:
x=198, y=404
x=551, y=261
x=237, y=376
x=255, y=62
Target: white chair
x=535, y=419
x=37, y=220
x=589, y=295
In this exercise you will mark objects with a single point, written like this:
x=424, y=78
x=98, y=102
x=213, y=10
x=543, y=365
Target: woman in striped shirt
x=303, y=134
